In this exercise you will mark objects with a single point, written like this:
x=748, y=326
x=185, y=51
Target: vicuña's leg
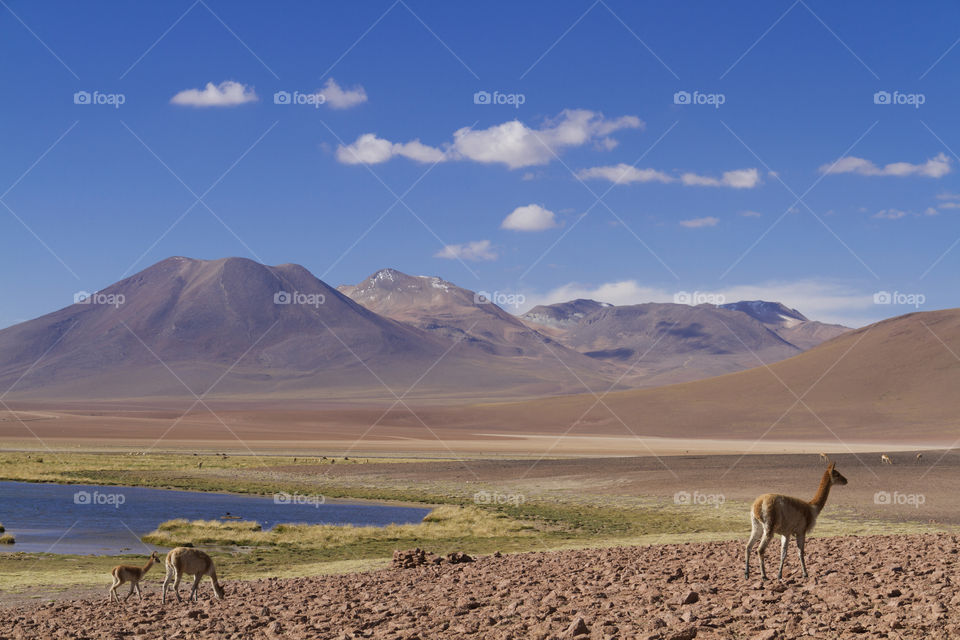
x=166, y=581
x=801, y=541
x=784, y=542
x=130, y=593
x=764, y=541
x=754, y=536
x=139, y=592
x=113, y=590
x=176, y=586
x=194, y=591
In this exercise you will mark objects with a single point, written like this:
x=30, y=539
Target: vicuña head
x=773, y=513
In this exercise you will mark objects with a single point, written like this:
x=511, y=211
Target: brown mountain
x=893, y=381
x=789, y=324
x=183, y=325
x=450, y=312
x=665, y=343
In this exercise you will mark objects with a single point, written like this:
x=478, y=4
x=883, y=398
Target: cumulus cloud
x=339, y=98
x=531, y=217
x=512, y=143
x=697, y=223
x=225, y=94
x=475, y=251
x=369, y=149
x=936, y=167
x=736, y=179
x=823, y=300
x=626, y=174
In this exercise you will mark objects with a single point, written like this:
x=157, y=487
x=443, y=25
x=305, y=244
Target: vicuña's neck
x=820, y=499
x=149, y=564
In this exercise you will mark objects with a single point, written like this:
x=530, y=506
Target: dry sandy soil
x=869, y=587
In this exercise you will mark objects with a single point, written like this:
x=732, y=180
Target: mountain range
x=236, y=328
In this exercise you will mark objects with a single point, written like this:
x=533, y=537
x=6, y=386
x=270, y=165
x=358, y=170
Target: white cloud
x=949, y=205
x=823, y=300
x=474, y=251
x=751, y=214
x=736, y=179
x=339, y=98
x=891, y=214
x=697, y=223
x=936, y=167
x=369, y=149
x=226, y=94
x=531, y=217
x=511, y=143
x=624, y=174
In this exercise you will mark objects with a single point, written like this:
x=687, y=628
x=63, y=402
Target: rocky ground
x=866, y=587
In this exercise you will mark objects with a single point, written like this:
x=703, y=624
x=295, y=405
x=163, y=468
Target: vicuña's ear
x=832, y=465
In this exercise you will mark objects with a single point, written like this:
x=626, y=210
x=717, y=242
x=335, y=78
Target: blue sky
x=805, y=185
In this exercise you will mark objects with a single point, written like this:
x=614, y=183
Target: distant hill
x=789, y=324
x=664, y=343
x=892, y=381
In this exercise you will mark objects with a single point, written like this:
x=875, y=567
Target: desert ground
x=864, y=587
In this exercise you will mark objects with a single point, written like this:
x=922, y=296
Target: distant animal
x=200, y=465
x=885, y=459
x=779, y=514
x=193, y=562
x=919, y=458
x=126, y=573
x=824, y=458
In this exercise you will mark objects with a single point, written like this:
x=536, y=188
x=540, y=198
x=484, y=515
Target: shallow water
x=101, y=520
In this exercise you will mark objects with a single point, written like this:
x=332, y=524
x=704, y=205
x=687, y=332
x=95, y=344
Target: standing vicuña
x=824, y=458
x=194, y=562
x=778, y=514
x=126, y=573
x=885, y=459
